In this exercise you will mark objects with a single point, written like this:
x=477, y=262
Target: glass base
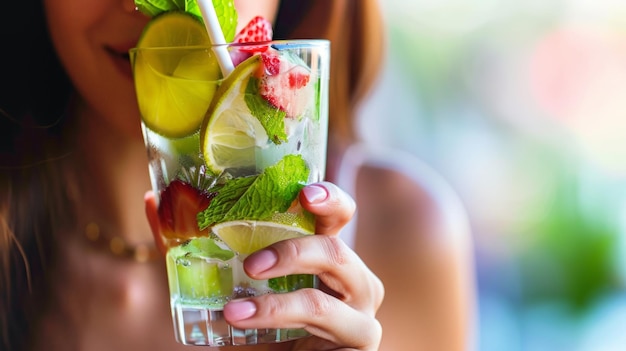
x=202, y=326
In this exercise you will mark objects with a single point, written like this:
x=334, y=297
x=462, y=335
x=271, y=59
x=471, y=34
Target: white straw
x=216, y=35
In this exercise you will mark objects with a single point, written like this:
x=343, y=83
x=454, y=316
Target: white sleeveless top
x=361, y=154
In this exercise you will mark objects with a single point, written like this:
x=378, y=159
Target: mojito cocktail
x=228, y=156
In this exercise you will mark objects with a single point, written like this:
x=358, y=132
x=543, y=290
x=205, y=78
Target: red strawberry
x=285, y=85
x=271, y=64
x=258, y=30
x=298, y=80
x=179, y=206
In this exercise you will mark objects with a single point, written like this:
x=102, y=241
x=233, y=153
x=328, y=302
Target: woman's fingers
x=333, y=208
x=342, y=319
x=320, y=314
x=328, y=257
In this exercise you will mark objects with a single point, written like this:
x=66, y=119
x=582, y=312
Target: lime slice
x=195, y=275
x=175, y=83
x=302, y=219
x=199, y=278
x=246, y=237
x=230, y=132
x=224, y=9
x=173, y=28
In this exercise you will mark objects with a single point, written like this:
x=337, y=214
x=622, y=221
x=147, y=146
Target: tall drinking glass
x=227, y=158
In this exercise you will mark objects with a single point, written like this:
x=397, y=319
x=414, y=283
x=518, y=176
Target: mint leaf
x=227, y=195
x=191, y=6
x=227, y=16
x=154, y=7
x=292, y=282
x=271, y=118
x=180, y=4
x=272, y=191
x=225, y=11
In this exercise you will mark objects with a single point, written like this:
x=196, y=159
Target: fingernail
x=315, y=193
x=261, y=261
x=237, y=310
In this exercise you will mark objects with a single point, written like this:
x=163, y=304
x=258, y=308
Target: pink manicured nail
x=261, y=261
x=237, y=310
x=315, y=193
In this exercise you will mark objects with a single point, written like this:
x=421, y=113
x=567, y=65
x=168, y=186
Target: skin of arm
x=414, y=234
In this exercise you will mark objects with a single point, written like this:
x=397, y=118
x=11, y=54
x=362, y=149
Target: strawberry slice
x=179, y=206
x=258, y=30
x=284, y=84
x=271, y=63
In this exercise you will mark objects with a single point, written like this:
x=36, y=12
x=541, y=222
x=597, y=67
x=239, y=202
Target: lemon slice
x=246, y=237
x=230, y=132
x=175, y=80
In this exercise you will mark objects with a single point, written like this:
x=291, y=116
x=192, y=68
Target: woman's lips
x=121, y=59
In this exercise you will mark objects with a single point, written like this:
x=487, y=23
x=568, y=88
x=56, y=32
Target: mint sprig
x=257, y=198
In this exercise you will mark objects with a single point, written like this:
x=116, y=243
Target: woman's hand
x=341, y=314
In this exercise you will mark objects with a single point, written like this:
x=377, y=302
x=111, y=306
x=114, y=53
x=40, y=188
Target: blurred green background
x=521, y=105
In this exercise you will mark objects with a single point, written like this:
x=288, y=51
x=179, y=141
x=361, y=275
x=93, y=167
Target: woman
x=72, y=155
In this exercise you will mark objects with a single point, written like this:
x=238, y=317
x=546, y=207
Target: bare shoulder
x=413, y=232
x=408, y=200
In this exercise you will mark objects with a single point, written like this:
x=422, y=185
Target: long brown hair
x=34, y=92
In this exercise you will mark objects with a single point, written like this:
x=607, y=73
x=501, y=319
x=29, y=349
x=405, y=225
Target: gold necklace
x=118, y=247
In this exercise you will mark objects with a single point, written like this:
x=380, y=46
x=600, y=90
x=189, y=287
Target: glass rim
x=281, y=44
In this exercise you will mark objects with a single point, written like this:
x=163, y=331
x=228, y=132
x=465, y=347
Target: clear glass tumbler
x=227, y=158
